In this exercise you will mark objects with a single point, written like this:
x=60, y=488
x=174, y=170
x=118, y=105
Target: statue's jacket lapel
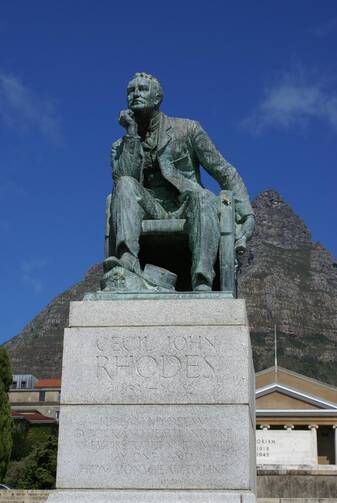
x=176, y=158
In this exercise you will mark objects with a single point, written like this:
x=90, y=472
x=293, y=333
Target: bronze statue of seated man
x=156, y=173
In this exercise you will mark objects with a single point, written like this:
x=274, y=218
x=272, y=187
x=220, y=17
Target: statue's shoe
x=127, y=260
x=131, y=263
x=110, y=262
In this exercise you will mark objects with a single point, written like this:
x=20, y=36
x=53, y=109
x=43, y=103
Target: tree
x=5, y=369
x=37, y=470
x=6, y=423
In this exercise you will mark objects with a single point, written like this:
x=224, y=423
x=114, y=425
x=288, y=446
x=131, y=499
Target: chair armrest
x=227, y=241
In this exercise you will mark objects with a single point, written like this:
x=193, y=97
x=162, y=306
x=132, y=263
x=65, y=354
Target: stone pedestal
x=157, y=403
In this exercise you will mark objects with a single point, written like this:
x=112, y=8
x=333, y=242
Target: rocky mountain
x=291, y=282
x=287, y=280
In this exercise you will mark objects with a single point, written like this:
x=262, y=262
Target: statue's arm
x=226, y=175
x=126, y=157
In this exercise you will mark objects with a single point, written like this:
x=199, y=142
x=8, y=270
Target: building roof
x=32, y=416
x=48, y=383
x=283, y=393
x=279, y=374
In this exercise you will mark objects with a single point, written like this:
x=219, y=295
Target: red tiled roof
x=33, y=416
x=48, y=383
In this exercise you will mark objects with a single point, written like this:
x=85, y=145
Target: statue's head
x=144, y=93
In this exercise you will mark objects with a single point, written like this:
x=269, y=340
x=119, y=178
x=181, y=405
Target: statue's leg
x=130, y=203
x=201, y=213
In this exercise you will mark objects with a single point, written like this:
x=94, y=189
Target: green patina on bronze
x=157, y=192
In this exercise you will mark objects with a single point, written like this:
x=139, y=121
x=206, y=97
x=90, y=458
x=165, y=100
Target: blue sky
x=260, y=76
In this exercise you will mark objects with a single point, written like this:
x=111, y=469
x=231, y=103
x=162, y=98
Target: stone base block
x=156, y=447
x=158, y=364
x=151, y=497
x=157, y=403
x=159, y=312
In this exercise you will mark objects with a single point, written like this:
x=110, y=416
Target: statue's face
x=142, y=95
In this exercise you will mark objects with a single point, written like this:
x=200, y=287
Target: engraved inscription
x=263, y=447
x=165, y=364
x=133, y=364
x=286, y=447
x=138, y=356
x=154, y=445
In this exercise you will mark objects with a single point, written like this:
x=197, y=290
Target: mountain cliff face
x=291, y=282
x=287, y=280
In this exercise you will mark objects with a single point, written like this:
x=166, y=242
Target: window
x=14, y=385
x=42, y=396
x=23, y=384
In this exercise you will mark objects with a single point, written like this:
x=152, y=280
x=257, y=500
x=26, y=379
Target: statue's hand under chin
x=128, y=121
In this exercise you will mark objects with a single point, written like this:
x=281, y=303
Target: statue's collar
x=152, y=126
